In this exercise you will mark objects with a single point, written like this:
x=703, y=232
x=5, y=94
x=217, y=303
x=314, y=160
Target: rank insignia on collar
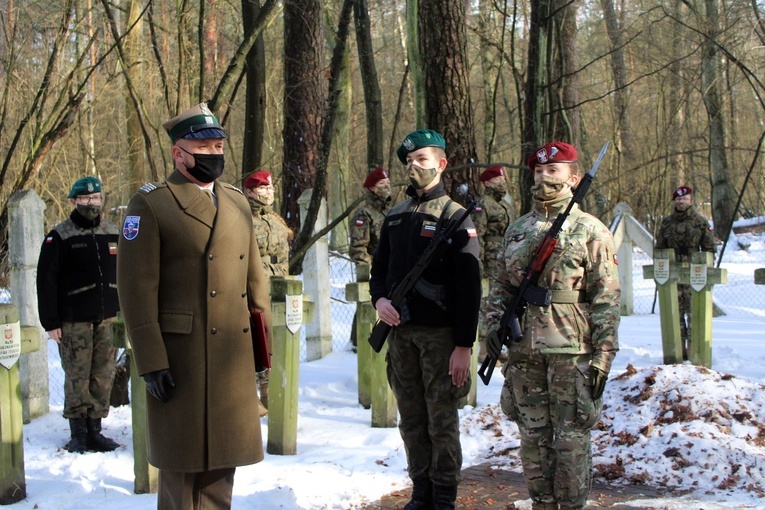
x=130, y=227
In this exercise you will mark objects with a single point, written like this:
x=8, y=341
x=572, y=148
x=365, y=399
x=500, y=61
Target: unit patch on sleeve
x=130, y=228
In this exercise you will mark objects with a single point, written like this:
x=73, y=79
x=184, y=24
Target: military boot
x=96, y=441
x=422, y=495
x=79, y=441
x=444, y=497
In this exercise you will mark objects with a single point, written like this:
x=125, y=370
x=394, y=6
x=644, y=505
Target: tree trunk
x=304, y=95
x=371, y=85
x=416, y=64
x=723, y=195
x=443, y=49
x=255, y=93
x=136, y=174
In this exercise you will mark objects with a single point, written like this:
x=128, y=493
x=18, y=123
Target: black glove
x=494, y=344
x=160, y=384
x=598, y=379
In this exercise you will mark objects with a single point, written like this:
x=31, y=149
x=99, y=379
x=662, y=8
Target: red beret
x=374, y=177
x=256, y=179
x=681, y=192
x=491, y=172
x=553, y=152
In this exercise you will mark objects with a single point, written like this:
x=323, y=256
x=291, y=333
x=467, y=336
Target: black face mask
x=207, y=167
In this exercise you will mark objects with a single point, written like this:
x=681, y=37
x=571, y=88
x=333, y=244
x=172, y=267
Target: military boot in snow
x=78, y=443
x=444, y=497
x=97, y=442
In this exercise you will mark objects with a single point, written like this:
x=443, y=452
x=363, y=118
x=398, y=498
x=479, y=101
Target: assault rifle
x=401, y=290
x=527, y=291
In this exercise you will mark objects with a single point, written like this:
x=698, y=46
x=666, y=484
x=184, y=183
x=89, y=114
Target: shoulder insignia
x=478, y=209
x=231, y=186
x=359, y=222
x=148, y=187
x=471, y=232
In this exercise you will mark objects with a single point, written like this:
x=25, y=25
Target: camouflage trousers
x=88, y=358
x=548, y=396
x=418, y=373
x=684, y=304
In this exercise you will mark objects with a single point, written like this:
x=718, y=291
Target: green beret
x=416, y=140
x=85, y=186
x=197, y=123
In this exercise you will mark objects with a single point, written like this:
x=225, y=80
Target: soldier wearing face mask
x=271, y=232
x=368, y=220
x=77, y=301
x=189, y=276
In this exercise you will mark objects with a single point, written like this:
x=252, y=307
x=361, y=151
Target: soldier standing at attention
x=493, y=213
x=555, y=375
x=77, y=302
x=368, y=220
x=430, y=342
x=189, y=273
x=685, y=231
x=273, y=237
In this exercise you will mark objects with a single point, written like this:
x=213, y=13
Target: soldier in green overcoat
x=188, y=274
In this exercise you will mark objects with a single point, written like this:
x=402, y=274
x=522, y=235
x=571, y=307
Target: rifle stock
x=509, y=325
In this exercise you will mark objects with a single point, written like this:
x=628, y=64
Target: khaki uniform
x=365, y=227
x=685, y=232
x=273, y=237
x=188, y=275
x=546, y=391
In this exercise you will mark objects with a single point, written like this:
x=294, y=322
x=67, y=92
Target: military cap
x=416, y=140
x=374, y=177
x=681, y=192
x=85, y=186
x=196, y=123
x=553, y=152
x=491, y=172
x=257, y=179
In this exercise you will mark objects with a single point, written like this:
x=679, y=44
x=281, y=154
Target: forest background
x=320, y=92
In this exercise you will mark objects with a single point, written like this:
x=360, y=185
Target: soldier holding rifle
x=432, y=334
x=559, y=360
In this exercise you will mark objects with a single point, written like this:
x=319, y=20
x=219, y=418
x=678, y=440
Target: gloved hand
x=598, y=378
x=494, y=344
x=160, y=384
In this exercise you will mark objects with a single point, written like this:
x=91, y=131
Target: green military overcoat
x=187, y=278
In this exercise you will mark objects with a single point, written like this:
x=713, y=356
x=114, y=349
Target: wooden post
x=472, y=397
x=628, y=231
x=16, y=340
x=759, y=276
x=666, y=274
x=359, y=292
x=701, y=276
x=145, y=479
x=289, y=311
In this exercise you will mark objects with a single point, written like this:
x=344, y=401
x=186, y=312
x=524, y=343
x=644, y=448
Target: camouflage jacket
x=685, y=232
x=77, y=272
x=273, y=237
x=405, y=234
x=365, y=227
x=584, y=261
x=491, y=217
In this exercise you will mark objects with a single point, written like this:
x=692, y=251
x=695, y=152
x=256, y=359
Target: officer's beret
x=196, y=123
x=553, y=152
x=681, y=192
x=491, y=172
x=85, y=186
x=257, y=179
x=416, y=140
x=374, y=177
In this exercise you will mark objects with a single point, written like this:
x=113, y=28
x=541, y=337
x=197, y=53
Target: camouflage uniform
x=685, y=232
x=365, y=227
x=272, y=235
x=419, y=351
x=546, y=391
x=77, y=292
x=491, y=217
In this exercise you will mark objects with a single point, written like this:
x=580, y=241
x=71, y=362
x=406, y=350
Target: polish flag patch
x=49, y=239
x=359, y=223
x=478, y=208
x=471, y=232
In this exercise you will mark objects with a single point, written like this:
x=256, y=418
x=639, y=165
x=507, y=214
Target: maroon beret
x=374, y=177
x=491, y=172
x=553, y=152
x=257, y=179
x=681, y=192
